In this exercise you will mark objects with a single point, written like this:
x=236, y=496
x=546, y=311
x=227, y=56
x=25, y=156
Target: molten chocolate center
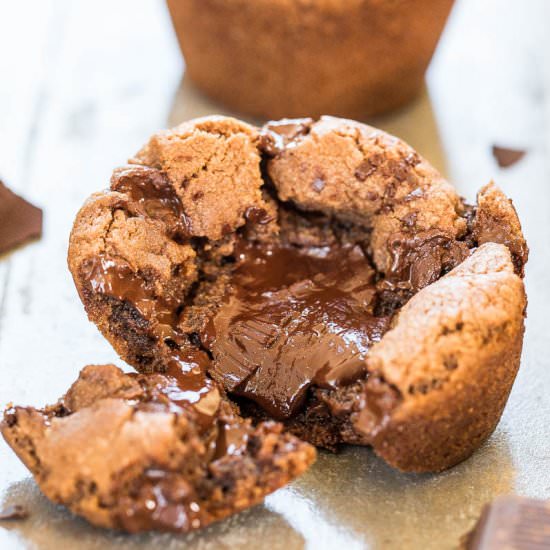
x=294, y=318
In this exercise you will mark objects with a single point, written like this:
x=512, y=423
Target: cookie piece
x=344, y=225
x=439, y=379
x=363, y=176
x=496, y=221
x=213, y=167
x=133, y=452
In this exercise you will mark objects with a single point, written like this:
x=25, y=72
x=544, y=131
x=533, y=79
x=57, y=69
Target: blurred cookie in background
x=277, y=58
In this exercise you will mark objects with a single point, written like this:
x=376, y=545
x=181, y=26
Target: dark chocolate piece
x=506, y=157
x=20, y=221
x=279, y=135
x=294, y=318
x=513, y=523
x=13, y=512
x=421, y=259
x=152, y=194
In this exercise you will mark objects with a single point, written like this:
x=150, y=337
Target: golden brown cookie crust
x=451, y=358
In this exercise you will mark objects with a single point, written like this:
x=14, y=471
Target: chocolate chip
x=506, y=157
x=372, y=196
x=278, y=135
x=13, y=512
x=450, y=363
x=20, y=221
x=257, y=215
x=364, y=170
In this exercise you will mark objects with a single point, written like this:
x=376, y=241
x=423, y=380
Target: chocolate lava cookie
x=334, y=279
x=137, y=452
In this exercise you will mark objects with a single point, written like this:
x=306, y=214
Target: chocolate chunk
x=512, y=522
x=20, y=221
x=257, y=215
x=279, y=135
x=13, y=512
x=294, y=318
x=152, y=195
x=506, y=157
x=364, y=170
x=420, y=259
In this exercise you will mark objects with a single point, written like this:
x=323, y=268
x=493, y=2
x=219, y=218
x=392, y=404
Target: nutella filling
x=294, y=318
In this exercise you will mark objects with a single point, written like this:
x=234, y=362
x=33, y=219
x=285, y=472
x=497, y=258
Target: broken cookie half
x=151, y=452
x=333, y=278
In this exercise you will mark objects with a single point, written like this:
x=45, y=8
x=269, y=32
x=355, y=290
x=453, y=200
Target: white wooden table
x=83, y=84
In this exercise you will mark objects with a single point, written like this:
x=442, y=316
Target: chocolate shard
x=512, y=522
x=20, y=221
x=506, y=157
x=13, y=512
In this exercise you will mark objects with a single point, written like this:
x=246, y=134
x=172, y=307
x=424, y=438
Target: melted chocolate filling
x=294, y=318
x=186, y=366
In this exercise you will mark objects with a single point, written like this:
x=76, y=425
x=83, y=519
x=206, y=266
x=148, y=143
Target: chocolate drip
x=115, y=278
x=186, y=367
x=294, y=318
x=187, y=370
x=152, y=195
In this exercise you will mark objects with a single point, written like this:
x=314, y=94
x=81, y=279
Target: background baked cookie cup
x=277, y=58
